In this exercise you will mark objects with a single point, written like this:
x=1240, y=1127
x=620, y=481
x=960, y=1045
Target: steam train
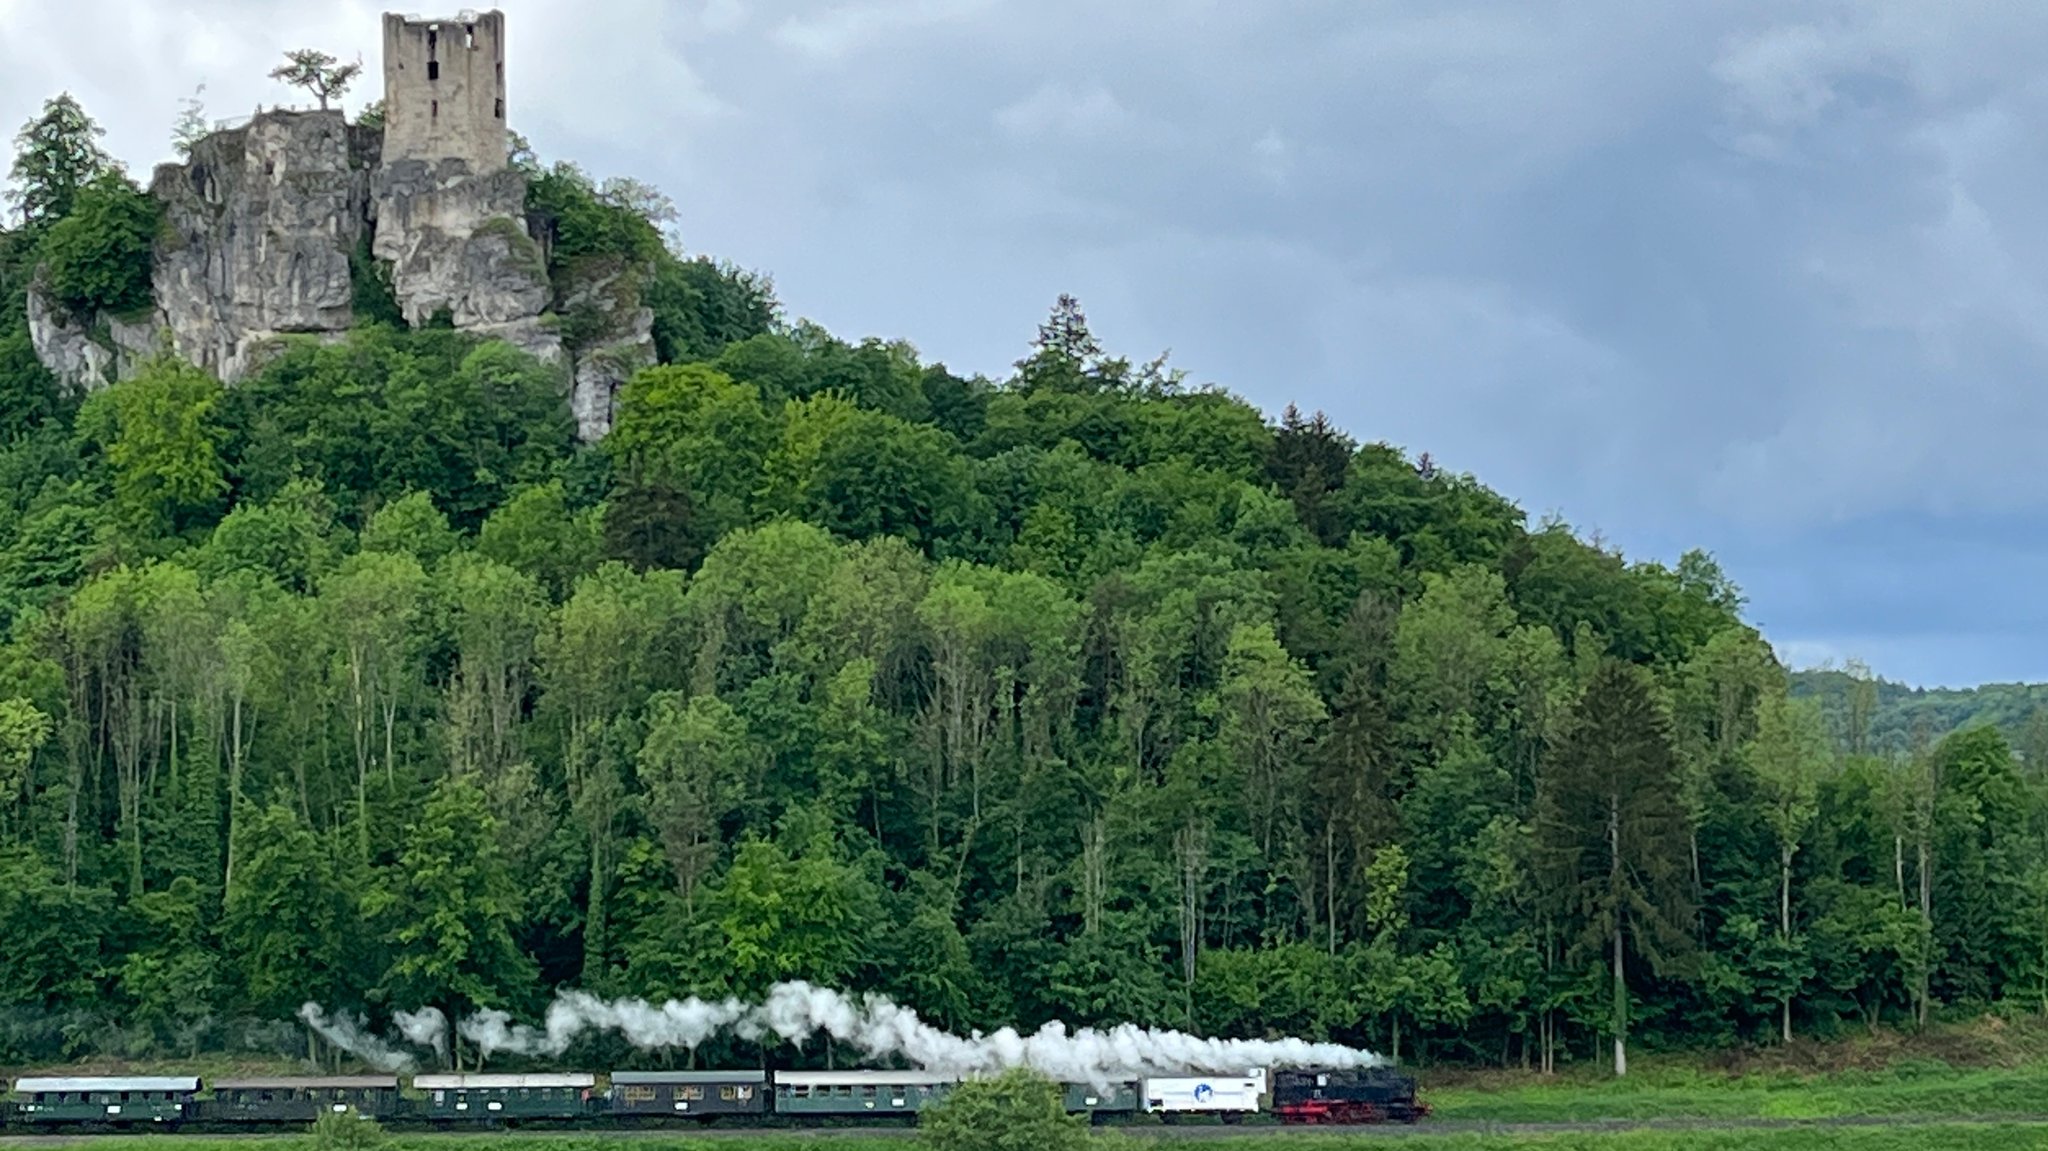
x=638, y=1098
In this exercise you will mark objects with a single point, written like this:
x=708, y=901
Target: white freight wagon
x=1225, y=1095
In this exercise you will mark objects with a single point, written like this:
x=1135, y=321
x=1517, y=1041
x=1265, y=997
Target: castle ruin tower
x=444, y=89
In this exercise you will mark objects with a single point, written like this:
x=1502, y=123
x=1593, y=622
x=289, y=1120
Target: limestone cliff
x=457, y=244
x=259, y=225
x=271, y=228
x=612, y=331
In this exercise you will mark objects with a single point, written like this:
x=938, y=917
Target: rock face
x=268, y=229
x=259, y=229
x=616, y=339
x=458, y=242
x=83, y=357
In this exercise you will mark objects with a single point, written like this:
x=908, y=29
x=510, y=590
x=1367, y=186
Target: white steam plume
x=347, y=1032
x=426, y=1027
x=880, y=1029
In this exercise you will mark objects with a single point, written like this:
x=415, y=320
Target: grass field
x=1987, y=1068
x=1920, y=1089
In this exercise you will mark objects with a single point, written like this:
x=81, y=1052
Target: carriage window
x=690, y=1093
x=637, y=1094
x=728, y=1093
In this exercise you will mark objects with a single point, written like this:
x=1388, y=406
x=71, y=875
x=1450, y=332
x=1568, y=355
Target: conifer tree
x=1611, y=833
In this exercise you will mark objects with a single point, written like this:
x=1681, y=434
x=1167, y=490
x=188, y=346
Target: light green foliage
x=162, y=436
x=410, y=524
x=451, y=910
x=191, y=126
x=779, y=914
x=536, y=532
x=24, y=729
x=346, y=1131
x=1017, y=1111
x=290, y=538
x=693, y=429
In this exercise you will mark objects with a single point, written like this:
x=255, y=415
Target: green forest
x=1866, y=711
x=1086, y=694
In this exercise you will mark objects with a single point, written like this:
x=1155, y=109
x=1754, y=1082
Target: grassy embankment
x=1988, y=1068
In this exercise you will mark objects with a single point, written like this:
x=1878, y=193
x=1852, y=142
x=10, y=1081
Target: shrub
x=1021, y=1111
x=346, y=1131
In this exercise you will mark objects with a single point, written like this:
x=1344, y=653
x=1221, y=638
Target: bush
x=345, y=1131
x=98, y=258
x=1021, y=1111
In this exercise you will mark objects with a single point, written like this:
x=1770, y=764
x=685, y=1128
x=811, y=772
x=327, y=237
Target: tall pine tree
x=1611, y=833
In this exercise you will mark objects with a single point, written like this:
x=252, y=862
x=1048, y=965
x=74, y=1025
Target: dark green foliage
x=584, y=221
x=385, y=413
x=702, y=306
x=28, y=392
x=98, y=257
x=51, y=935
x=371, y=295
x=1016, y=1111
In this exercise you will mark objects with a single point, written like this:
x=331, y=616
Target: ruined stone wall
x=444, y=90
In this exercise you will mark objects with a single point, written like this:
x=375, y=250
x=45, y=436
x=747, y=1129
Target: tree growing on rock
x=56, y=155
x=317, y=72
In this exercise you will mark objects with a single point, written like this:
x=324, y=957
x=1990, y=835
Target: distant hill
x=1900, y=717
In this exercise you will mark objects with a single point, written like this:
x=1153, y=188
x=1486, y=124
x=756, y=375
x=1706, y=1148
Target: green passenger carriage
x=859, y=1092
x=689, y=1093
x=301, y=1100
x=484, y=1098
x=120, y=1101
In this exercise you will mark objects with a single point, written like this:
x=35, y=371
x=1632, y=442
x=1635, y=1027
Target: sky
x=1764, y=278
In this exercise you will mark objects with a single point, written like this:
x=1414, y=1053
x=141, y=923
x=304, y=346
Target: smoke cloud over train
x=871, y=1024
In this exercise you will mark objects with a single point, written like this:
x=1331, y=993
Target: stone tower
x=444, y=89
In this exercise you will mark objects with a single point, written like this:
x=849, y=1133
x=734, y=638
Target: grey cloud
x=1750, y=275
